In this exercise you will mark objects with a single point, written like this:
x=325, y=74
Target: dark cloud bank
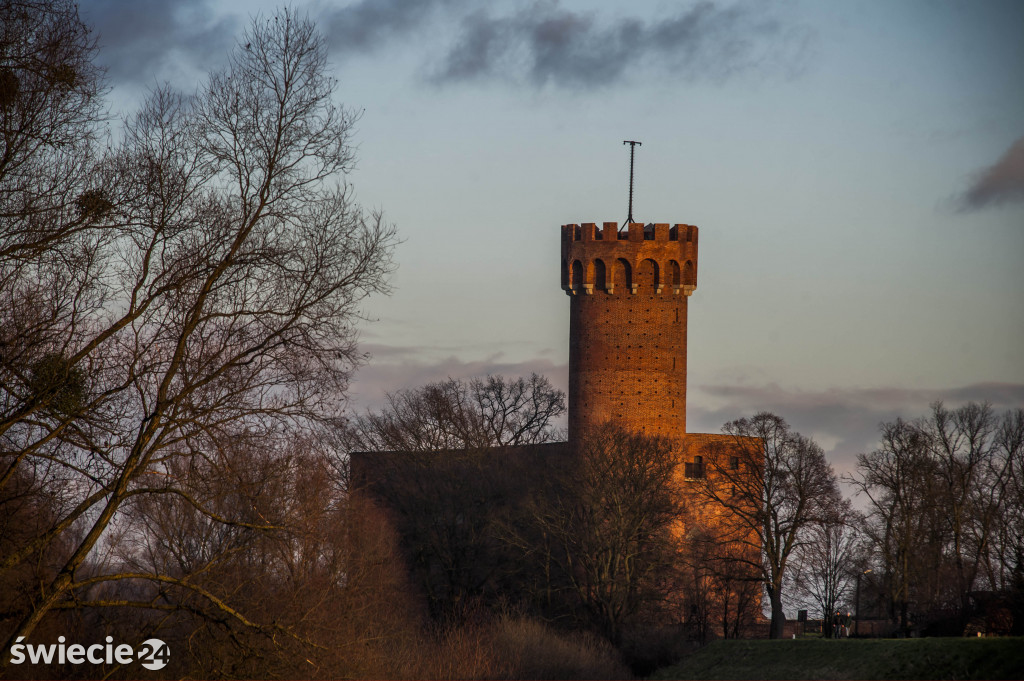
x=542, y=44
x=534, y=43
x=144, y=42
x=395, y=368
x=1001, y=183
x=368, y=25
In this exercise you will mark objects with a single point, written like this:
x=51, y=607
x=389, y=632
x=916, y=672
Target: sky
x=856, y=170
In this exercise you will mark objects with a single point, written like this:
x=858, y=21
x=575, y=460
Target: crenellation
x=608, y=264
x=610, y=232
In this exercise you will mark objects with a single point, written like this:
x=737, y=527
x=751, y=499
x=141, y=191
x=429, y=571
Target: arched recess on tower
x=689, y=274
x=674, y=273
x=576, y=276
x=647, y=276
x=600, y=275
x=623, y=274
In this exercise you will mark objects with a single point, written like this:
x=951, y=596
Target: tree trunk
x=777, y=627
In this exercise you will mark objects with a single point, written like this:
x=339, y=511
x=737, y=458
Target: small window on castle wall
x=734, y=463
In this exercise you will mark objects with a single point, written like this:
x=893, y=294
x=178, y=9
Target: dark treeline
x=943, y=534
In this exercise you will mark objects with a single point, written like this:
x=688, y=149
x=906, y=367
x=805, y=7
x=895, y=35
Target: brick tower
x=627, y=324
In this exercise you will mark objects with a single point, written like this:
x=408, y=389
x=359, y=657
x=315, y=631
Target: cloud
x=145, y=41
x=1001, y=183
x=543, y=44
x=371, y=24
x=536, y=43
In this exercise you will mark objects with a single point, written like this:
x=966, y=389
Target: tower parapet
x=627, y=324
x=612, y=261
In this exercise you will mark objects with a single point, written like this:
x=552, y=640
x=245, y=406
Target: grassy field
x=919, y=658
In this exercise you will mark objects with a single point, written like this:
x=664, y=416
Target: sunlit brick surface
x=627, y=324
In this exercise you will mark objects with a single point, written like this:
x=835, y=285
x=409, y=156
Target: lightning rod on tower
x=632, y=148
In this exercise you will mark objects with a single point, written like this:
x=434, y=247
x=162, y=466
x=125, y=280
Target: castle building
x=629, y=292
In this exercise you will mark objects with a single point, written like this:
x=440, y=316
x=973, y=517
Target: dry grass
x=534, y=650
x=516, y=648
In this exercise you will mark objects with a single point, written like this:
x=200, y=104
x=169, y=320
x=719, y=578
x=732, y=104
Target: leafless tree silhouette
x=194, y=287
x=774, y=485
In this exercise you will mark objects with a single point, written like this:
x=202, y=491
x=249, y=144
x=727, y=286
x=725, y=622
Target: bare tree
x=721, y=589
x=50, y=109
x=494, y=411
x=520, y=411
x=772, y=485
x=608, y=528
x=1009, y=534
x=827, y=561
x=899, y=482
x=327, y=576
x=941, y=496
x=973, y=475
x=208, y=286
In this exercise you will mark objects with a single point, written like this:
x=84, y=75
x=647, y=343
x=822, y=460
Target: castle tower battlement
x=627, y=324
x=606, y=259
